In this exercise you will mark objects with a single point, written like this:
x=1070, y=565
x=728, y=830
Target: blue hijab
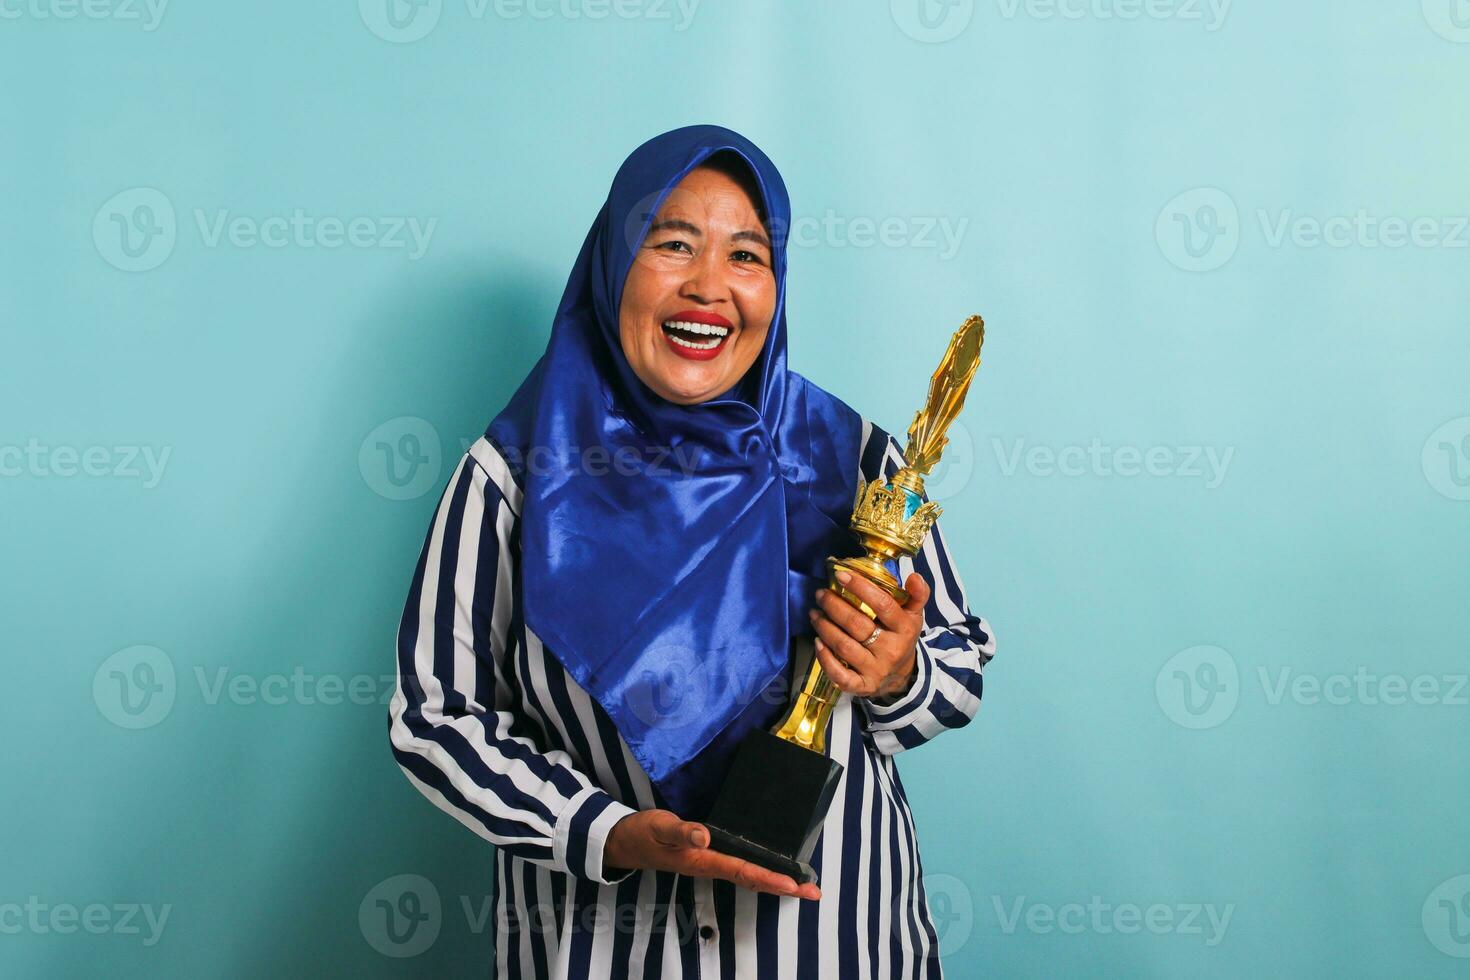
x=669, y=553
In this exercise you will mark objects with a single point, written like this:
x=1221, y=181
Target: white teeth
x=704, y=328
x=707, y=345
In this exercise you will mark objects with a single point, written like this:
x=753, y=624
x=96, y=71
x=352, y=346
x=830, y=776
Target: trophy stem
x=811, y=712
x=806, y=725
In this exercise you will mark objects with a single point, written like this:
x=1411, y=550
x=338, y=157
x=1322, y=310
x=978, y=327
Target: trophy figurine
x=775, y=798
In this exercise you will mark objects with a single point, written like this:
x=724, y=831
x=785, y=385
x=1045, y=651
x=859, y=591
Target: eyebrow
x=678, y=224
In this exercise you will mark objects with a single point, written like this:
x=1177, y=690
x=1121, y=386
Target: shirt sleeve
x=453, y=721
x=953, y=648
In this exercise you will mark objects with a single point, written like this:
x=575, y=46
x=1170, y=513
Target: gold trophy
x=773, y=802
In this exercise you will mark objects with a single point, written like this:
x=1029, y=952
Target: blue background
x=1115, y=190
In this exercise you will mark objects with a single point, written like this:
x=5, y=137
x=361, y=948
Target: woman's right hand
x=658, y=840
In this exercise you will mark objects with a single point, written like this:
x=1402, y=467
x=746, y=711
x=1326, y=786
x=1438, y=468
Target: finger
x=857, y=656
x=713, y=864
x=809, y=891
x=845, y=678
x=697, y=834
x=759, y=879
x=890, y=613
x=919, y=591
x=667, y=829
x=663, y=827
x=716, y=864
x=756, y=878
x=852, y=620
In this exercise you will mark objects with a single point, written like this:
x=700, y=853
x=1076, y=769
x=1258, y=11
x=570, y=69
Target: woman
x=610, y=592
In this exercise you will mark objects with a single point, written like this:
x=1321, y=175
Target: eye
x=674, y=245
x=741, y=255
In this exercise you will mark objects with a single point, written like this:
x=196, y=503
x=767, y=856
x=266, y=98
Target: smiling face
x=699, y=298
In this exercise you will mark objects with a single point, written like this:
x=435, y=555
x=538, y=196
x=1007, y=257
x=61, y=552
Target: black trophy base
x=772, y=804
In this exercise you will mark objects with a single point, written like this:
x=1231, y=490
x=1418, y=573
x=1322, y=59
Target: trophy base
x=748, y=850
x=772, y=804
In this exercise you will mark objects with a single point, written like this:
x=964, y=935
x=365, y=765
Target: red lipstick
x=697, y=335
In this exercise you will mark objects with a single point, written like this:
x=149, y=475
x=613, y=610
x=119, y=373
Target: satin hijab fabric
x=669, y=553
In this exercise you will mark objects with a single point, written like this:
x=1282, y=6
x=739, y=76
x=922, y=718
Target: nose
x=705, y=281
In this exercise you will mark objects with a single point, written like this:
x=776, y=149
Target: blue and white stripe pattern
x=487, y=724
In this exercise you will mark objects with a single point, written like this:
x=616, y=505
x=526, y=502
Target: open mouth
x=697, y=339
x=695, y=336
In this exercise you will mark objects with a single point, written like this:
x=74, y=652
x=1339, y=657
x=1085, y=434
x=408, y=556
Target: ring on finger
x=877, y=632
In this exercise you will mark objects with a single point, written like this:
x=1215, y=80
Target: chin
x=691, y=395
x=689, y=386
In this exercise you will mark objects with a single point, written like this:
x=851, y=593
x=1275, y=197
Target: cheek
x=640, y=300
x=757, y=308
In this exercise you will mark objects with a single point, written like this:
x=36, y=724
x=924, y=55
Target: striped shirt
x=490, y=727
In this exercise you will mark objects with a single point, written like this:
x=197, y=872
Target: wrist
x=908, y=673
x=581, y=833
x=613, y=858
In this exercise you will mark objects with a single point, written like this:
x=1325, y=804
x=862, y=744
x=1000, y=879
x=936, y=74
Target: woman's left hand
x=886, y=668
